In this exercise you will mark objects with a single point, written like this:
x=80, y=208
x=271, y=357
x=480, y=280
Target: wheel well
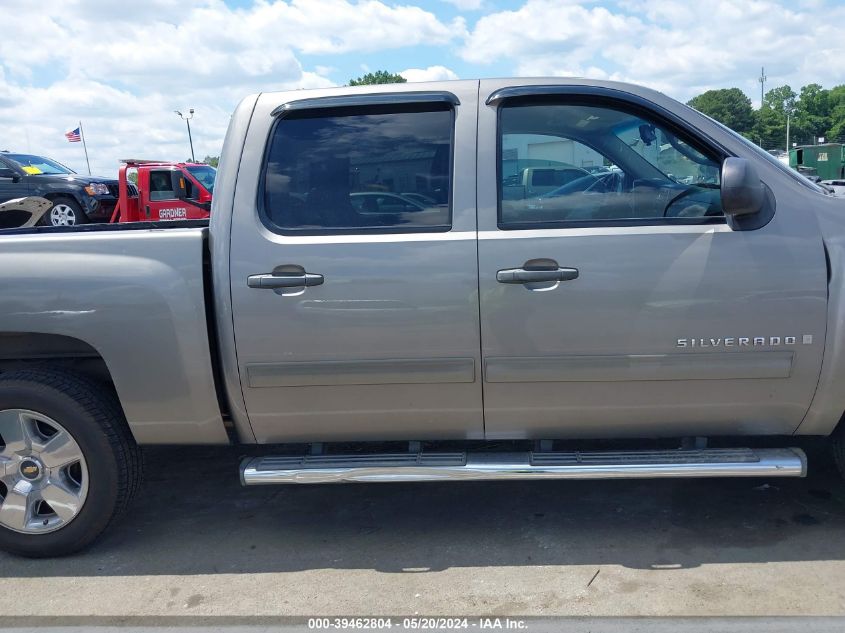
x=21, y=350
x=52, y=197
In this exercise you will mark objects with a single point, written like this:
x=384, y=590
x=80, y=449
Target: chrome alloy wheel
x=63, y=215
x=43, y=475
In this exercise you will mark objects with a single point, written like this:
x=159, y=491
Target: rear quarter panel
x=137, y=297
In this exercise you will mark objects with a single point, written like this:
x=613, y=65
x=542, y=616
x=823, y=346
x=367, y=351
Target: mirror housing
x=741, y=189
x=8, y=172
x=177, y=178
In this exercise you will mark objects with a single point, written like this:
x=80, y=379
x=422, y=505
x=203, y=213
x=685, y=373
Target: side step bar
x=318, y=469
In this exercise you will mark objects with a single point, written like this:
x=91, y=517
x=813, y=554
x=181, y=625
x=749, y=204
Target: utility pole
x=762, y=79
x=187, y=120
x=788, y=113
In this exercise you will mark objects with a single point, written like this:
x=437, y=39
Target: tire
x=100, y=484
x=65, y=212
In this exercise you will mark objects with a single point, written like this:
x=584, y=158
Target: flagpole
x=85, y=147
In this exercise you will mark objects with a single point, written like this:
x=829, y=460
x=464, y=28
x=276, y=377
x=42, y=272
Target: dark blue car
x=76, y=199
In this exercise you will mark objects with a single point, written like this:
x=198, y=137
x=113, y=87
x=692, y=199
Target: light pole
x=788, y=115
x=187, y=120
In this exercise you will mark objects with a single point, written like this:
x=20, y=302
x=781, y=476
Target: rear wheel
x=68, y=463
x=65, y=212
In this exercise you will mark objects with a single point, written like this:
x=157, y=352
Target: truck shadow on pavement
x=193, y=517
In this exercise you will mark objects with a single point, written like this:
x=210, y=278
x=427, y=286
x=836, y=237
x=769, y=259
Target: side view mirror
x=742, y=191
x=177, y=178
x=8, y=172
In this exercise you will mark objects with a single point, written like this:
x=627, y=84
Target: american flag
x=73, y=136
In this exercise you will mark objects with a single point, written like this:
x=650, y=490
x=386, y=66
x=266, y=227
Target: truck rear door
x=352, y=323
x=621, y=303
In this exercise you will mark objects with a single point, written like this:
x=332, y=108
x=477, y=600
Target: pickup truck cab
x=532, y=182
x=163, y=191
x=479, y=333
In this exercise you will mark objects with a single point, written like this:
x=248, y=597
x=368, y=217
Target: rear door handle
x=523, y=276
x=294, y=280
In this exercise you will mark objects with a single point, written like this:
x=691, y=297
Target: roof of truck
x=167, y=163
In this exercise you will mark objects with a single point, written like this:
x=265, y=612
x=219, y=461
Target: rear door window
x=361, y=170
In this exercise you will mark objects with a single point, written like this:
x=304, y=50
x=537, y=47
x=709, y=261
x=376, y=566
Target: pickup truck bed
x=131, y=298
x=495, y=279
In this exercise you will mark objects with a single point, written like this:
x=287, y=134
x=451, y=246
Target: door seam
x=478, y=268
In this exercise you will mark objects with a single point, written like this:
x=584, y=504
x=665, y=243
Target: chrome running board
x=318, y=469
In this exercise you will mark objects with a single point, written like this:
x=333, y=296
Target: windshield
x=769, y=158
x=38, y=165
x=205, y=174
x=670, y=155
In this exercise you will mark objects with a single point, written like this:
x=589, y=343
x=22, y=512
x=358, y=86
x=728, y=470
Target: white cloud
x=123, y=68
x=432, y=73
x=679, y=48
x=467, y=5
x=541, y=27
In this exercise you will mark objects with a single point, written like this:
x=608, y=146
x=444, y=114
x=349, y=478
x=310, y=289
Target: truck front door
x=351, y=322
x=163, y=202
x=622, y=303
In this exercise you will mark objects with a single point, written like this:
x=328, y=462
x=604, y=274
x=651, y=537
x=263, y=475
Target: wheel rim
x=43, y=474
x=63, y=215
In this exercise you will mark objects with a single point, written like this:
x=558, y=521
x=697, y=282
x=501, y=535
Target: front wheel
x=65, y=212
x=68, y=462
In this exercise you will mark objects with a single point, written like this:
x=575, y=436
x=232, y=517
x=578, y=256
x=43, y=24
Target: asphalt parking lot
x=196, y=543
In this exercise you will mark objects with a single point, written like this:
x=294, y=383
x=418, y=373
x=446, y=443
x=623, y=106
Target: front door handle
x=289, y=280
x=523, y=276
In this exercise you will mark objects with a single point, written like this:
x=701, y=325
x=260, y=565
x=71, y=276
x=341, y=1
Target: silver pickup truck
x=380, y=297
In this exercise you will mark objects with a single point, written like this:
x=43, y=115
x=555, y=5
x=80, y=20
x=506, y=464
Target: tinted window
x=578, y=163
x=161, y=186
x=359, y=171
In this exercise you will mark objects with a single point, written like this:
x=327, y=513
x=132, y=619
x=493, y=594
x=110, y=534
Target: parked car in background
x=378, y=202
x=837, y=186
x=23, y=212
x=76, y=199
x=421, y=198
x=535, y=181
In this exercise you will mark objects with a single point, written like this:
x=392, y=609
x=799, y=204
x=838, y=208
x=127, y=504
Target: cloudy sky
x=122, y=68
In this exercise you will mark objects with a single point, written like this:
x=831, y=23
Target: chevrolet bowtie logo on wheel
x=30, y=470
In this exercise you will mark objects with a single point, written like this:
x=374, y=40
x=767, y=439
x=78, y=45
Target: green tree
x=780, y=99
x=836, y=101
x=729, y=106
x=378, y=77
x=812, y=112
x=211, y=160
x=770, y=127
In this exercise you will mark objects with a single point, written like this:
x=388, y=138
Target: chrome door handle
x=523, y=276
x=294, y=280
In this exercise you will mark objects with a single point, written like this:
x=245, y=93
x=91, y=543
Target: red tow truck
x=163, y=191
